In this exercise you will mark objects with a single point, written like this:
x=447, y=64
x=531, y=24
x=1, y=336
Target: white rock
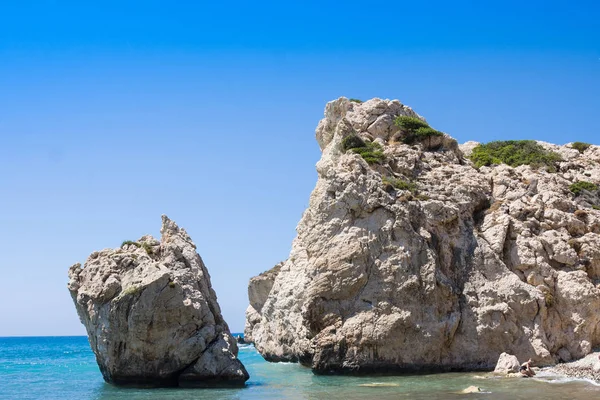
x=480, y=262
x=152, y=317
x=507, y=363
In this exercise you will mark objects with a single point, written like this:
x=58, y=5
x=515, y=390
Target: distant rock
x=258, y=290
x=410, y=258
x=240, y=339
x=152, y=316
x=507, y=364
x=467, y=147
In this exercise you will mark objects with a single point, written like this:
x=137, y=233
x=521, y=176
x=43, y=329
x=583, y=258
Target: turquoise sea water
x=65, y=368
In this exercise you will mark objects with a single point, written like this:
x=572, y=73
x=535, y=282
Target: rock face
x=152, y=317
x=258, y=291
x=471, y=264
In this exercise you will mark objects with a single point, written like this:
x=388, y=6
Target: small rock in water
x=507, y=363
x=471, y=389
x=239, y=339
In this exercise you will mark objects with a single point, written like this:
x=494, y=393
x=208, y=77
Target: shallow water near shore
x=65, y=368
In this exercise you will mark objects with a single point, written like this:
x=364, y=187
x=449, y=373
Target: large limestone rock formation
x=471, y=264
x=151, y=314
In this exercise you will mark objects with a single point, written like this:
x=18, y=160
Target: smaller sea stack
x=152, y=317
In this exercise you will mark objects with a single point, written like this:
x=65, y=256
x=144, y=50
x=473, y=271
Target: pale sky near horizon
x=113, y=114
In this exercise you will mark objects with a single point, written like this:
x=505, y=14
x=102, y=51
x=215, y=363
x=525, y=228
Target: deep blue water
x=65, y=368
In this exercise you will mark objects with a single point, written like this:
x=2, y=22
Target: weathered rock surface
x=473, y=264
x=152, y=317
x=258, y=291
x=507, y=364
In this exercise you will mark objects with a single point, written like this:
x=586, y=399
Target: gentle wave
x=65, y=368
x=566, y=379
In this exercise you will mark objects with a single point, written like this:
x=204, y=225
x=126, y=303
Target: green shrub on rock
x=410, y=124
x=370, y=151
x=424, y=132
x=578, y=187
x=352, y=142
x=580, y=146
x=514, y=153
x=146, y=246
x=415, y=129
x=131, y=290
x=398, y=183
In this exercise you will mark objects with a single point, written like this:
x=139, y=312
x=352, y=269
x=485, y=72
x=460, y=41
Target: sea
x=65, y=368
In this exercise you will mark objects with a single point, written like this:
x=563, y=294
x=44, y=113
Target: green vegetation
x=370, y=151
x=352, y=142
x=514, y=153
x=595, y=207
x=146, y=246
x=171, y=284
x=131, y=290
x=580, y=146
x=549, y=299
x=356, y=101
x=578, y=187
x=415, y=129
x=410, y=124
x=143, y=245
x=399, y=183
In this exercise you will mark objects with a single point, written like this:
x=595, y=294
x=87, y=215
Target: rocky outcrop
x=507, y=364
x=445, y=271
x=151, y=314
x=258, y=291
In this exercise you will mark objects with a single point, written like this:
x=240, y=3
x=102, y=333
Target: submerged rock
x=420, y=261
x=152, y=316
x=470, y=389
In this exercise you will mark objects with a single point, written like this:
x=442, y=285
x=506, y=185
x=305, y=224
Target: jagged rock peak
x=410, y=258
x=374, y=117
x=169, y=229
x=152, y=316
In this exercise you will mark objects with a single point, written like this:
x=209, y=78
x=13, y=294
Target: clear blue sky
x=114, y=113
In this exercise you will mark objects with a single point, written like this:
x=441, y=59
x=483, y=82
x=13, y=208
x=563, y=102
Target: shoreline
x=582, y=369
x=587, y=368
